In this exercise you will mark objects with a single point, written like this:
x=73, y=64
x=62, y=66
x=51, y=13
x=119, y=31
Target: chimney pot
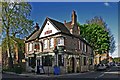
x=64, y=21
x=36, y=27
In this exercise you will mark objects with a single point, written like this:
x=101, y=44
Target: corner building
x=73, y=54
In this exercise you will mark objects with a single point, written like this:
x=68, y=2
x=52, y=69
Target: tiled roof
x=68, y=25
x=60, y=26
x=34, y=35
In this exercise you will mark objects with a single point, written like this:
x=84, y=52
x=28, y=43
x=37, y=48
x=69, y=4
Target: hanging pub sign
x=48, y=32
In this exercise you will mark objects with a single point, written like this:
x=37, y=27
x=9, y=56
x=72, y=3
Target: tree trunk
x=10, y=61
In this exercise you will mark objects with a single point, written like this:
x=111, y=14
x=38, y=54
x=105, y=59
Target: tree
x=97, y=33
x=96, y=36
x=15, y=21
x=102, y=23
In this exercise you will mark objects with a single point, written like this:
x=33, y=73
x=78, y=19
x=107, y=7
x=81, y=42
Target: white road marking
x=112, y=72
x=101, y=75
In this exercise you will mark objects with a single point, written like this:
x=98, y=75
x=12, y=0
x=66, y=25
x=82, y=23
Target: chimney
x=36, y=27
x=64, y=21
x=74, y=17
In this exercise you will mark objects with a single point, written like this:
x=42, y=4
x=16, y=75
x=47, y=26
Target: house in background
x=17, y=52
x=58, y=44
x=103, y=58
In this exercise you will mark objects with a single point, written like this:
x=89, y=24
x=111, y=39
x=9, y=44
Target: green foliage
x=96, y=35
x=99, y=21
x=15, y=17
x=18, y=68
x=117, y=59
x=15, y=23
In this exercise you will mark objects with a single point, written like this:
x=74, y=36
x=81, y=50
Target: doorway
x=73, y=64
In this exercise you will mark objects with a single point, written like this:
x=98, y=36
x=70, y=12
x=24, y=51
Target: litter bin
x=56, y=70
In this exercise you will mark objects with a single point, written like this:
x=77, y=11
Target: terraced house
x=60, y=44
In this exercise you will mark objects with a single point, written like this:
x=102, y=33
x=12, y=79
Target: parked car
x=101, y=67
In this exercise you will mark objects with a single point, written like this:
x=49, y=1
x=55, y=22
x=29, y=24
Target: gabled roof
x=34, y=35
x=58, y=25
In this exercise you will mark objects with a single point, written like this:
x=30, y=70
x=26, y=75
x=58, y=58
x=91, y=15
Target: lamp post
x=56, y=52
x=34, y=57
x=48, y=63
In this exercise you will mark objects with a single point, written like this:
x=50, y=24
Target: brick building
x=73, y=54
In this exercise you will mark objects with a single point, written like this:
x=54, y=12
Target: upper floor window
x=82, y=46
x=45, y=44
x=60, y=41
x=51, y=42
x=79, y=45
x=85, y=47
x=30, y=47
x=37, y=46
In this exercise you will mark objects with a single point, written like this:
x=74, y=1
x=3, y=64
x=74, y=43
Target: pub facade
x=58, y=44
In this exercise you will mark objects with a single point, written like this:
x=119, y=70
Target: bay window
x=51, y=42
x=30, y=47
x=36, y=46
x=45, y=44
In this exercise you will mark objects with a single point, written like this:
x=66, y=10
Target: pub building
x=58, y=44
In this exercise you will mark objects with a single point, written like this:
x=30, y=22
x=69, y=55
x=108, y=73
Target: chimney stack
x=36, y=27
x=64, y=21
x=74, y=17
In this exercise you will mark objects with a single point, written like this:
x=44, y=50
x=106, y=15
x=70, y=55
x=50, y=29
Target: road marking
x=112, y=72
x=101, y=75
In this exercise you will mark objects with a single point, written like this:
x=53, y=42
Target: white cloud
x=106, y=4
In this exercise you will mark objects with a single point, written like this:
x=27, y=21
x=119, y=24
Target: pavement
x=44, y=75
x=112, y=73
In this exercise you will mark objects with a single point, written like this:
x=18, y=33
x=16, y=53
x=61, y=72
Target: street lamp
x=56, y=52
x=34, y=58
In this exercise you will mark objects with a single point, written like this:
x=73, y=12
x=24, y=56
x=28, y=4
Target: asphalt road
x=112, y=73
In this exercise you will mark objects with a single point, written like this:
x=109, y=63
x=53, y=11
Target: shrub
x=18, y=69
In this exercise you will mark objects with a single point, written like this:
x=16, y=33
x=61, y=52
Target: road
x=112, y=73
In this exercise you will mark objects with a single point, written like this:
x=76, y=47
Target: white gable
x=49, y=29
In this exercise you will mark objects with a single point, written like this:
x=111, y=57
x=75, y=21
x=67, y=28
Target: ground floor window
x=90, y=61
x=32, y=62
x=47, y=60
x=60, y=60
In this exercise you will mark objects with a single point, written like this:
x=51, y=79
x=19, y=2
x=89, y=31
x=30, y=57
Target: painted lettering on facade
x=48, y=32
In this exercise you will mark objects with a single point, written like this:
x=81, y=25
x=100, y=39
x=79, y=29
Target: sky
x=61, y=11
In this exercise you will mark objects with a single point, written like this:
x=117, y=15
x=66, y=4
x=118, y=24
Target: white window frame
x=45, y=42
x=51, y=41
x=82, y=45
x=79, y=45
x=85, y=47
x=30, y=47
x=60, y=41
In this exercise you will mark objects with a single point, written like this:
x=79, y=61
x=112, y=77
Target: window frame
x=45, y=44
x=51, y=43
